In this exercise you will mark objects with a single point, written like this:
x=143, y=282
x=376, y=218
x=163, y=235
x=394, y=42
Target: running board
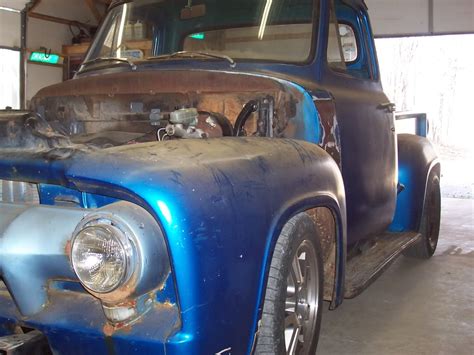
x=363, y=269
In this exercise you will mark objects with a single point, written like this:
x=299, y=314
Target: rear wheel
x=430, y=221
x=293, y=299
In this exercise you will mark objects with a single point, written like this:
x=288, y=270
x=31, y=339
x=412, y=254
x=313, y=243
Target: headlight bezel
x=150, y=265
x=125, y=238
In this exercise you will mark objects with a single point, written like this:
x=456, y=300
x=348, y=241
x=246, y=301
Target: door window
x=347, y=43
x=335, y=56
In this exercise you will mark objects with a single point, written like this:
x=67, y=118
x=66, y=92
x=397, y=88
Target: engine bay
x=119, y=109
x=106, y=121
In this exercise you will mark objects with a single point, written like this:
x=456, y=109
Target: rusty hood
x=155, y=82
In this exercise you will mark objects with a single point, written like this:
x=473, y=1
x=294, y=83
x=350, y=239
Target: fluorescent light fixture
x=121, y=30
x=9, y=9
x=263, y=24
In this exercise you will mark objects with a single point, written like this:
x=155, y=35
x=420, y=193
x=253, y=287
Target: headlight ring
x=103, y=254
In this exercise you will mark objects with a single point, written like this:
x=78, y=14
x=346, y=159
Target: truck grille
x=19, y=192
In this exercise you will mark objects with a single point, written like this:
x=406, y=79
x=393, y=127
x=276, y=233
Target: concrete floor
x=416, y=307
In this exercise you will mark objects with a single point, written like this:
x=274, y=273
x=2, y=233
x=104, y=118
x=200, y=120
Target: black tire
x=430, y=221
x=298, y=237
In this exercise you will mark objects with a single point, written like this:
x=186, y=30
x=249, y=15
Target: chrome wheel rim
x=302, y=300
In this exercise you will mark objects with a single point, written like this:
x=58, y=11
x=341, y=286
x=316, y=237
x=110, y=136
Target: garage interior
x=417, y=307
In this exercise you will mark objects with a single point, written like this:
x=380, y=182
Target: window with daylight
x=10, y=74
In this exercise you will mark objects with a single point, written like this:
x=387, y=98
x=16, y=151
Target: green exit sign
x=199, y=36
x=41, y=57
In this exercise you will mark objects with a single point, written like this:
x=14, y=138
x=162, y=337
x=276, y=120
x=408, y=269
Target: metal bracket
x=422, y=124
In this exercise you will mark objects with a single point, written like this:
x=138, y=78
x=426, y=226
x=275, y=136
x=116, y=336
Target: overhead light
x=9, y=9
x=263, y=23
x=121, y=31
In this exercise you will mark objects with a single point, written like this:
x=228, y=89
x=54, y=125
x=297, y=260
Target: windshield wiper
x=190, y=54
x=110, y=59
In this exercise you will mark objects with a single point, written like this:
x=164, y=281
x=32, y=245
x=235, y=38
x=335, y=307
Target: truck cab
x=212, y=174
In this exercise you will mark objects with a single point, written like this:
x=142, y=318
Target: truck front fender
x=221, y=204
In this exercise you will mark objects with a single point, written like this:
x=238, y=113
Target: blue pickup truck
x=215, y=173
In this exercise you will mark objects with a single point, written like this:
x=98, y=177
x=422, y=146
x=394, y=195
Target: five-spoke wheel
x=291, y=314
x=301, y=306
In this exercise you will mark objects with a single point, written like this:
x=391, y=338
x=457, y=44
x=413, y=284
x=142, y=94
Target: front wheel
x=292, y=307
x=430, y=221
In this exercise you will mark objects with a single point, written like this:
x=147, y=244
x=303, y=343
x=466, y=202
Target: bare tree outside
x=436, y=75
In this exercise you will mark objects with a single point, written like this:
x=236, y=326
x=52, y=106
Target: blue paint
x=404, y=219
x=54, y=195
x=221, y=217
x=165, y=212
x=221, y=221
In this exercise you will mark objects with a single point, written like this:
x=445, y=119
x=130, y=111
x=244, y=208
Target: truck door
x=365, y=118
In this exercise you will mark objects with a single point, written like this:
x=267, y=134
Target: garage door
x=421, y=17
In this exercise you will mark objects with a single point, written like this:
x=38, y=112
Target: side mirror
x=348, y=42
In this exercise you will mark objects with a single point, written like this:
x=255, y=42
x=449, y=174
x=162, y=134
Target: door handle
x=387, y=106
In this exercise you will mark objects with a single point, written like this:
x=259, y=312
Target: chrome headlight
x=119, y=255
x=102, y=257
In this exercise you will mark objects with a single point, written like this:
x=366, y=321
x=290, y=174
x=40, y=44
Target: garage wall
x=392, y=18
x=10, y=29
x=52, y=35
x=42, y=34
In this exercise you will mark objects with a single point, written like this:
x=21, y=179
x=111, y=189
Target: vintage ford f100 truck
x=215, y=171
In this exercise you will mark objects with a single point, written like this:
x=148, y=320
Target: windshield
x=273, y=30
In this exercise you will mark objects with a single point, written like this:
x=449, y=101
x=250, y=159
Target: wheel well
x=325, y=224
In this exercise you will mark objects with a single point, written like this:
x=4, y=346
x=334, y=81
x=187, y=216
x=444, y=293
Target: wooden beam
x=94, y=10
x=34, y=5
x=60, y=20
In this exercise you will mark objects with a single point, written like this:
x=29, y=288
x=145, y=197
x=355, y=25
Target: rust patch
x=110, y=329
x=67, y=248
x=326, y=228
x=159, y=82
x=331, y=142
x=165, y=305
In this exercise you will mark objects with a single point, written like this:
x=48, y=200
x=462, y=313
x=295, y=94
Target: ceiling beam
x=33, y=5
x=60, y=20
x=91, y=4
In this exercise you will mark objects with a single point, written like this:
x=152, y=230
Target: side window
x=335, y=55
x=347, y=50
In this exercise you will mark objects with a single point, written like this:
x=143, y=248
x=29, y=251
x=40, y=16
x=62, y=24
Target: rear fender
x=416, y=160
